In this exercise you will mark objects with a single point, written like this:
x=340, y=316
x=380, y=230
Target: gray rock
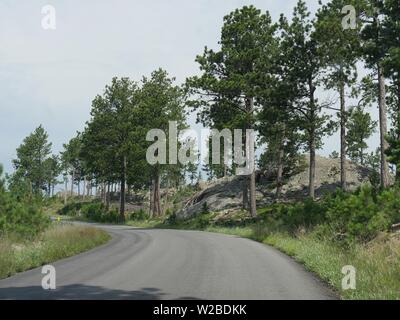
x=226, y=193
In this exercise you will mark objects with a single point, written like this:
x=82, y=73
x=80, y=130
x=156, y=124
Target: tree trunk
x=383, y=128
x=362, y=157
x=311, y=186
x=343, y=168
x=398, y=109
x=250, y=158
x=151, y=199
x=72, y=182
x=165, y=206
x=253, y=204
x=122, y=193
x=65, y=190
x=245, y=203
x=156, y=193
x=108, y=196
x=397, y=124
x=89, y=188
x=84, y=187
x=279, y=174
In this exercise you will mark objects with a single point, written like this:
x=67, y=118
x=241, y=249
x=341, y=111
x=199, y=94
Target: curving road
x=171, y=264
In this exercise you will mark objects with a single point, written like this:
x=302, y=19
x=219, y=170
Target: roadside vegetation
x=59, y=241
x=29, y=239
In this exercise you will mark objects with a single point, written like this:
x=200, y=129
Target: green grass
x=377, y=263
x=57, y=242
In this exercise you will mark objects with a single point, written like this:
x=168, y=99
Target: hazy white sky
x=50, y=77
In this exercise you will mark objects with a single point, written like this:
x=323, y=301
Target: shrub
x=23, y=218
x=93, y=211
x=71, y=209
x=111, y=216
x=389, y=202
x=341, y=216
x=171, y=219
x=302, y=214
x=96, y=211
x=357, y=216
x=204, y=208
x=202, y=221
x=139, y=215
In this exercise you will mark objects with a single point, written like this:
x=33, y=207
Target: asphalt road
x=171, y=264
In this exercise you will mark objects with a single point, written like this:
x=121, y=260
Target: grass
x=377, y=263
x=57, y=242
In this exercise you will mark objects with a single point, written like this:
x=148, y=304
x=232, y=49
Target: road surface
x=172, y=264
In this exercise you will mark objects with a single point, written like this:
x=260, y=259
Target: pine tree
x=160, y=102
x=391, y=62
x=108, y=140
x=279, y=128
x=360, y=127
x=340, y=51
x=375, y=48
x=32, y=155
x=304, y=62
x=72, y=161
x=232, y=78
x=391, y=65
x=53, y=169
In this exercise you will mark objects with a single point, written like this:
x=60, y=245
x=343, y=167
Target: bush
x=202, y=221
x=302, y=214
x=357, y=216
x=341, y=216
x=96, y=211
x=389, y=202
x=72, y=209
x=171, y=219
x=111, y=216
x=139, y=215
x=93, y=211
x=24, y=218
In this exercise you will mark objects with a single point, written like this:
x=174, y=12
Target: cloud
x=50, y=77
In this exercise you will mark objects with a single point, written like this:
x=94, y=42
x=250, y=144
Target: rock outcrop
x=226, y=193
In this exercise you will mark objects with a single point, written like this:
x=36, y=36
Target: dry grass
x=57, y=242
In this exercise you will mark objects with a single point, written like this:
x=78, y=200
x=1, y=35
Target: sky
x=50, y=77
